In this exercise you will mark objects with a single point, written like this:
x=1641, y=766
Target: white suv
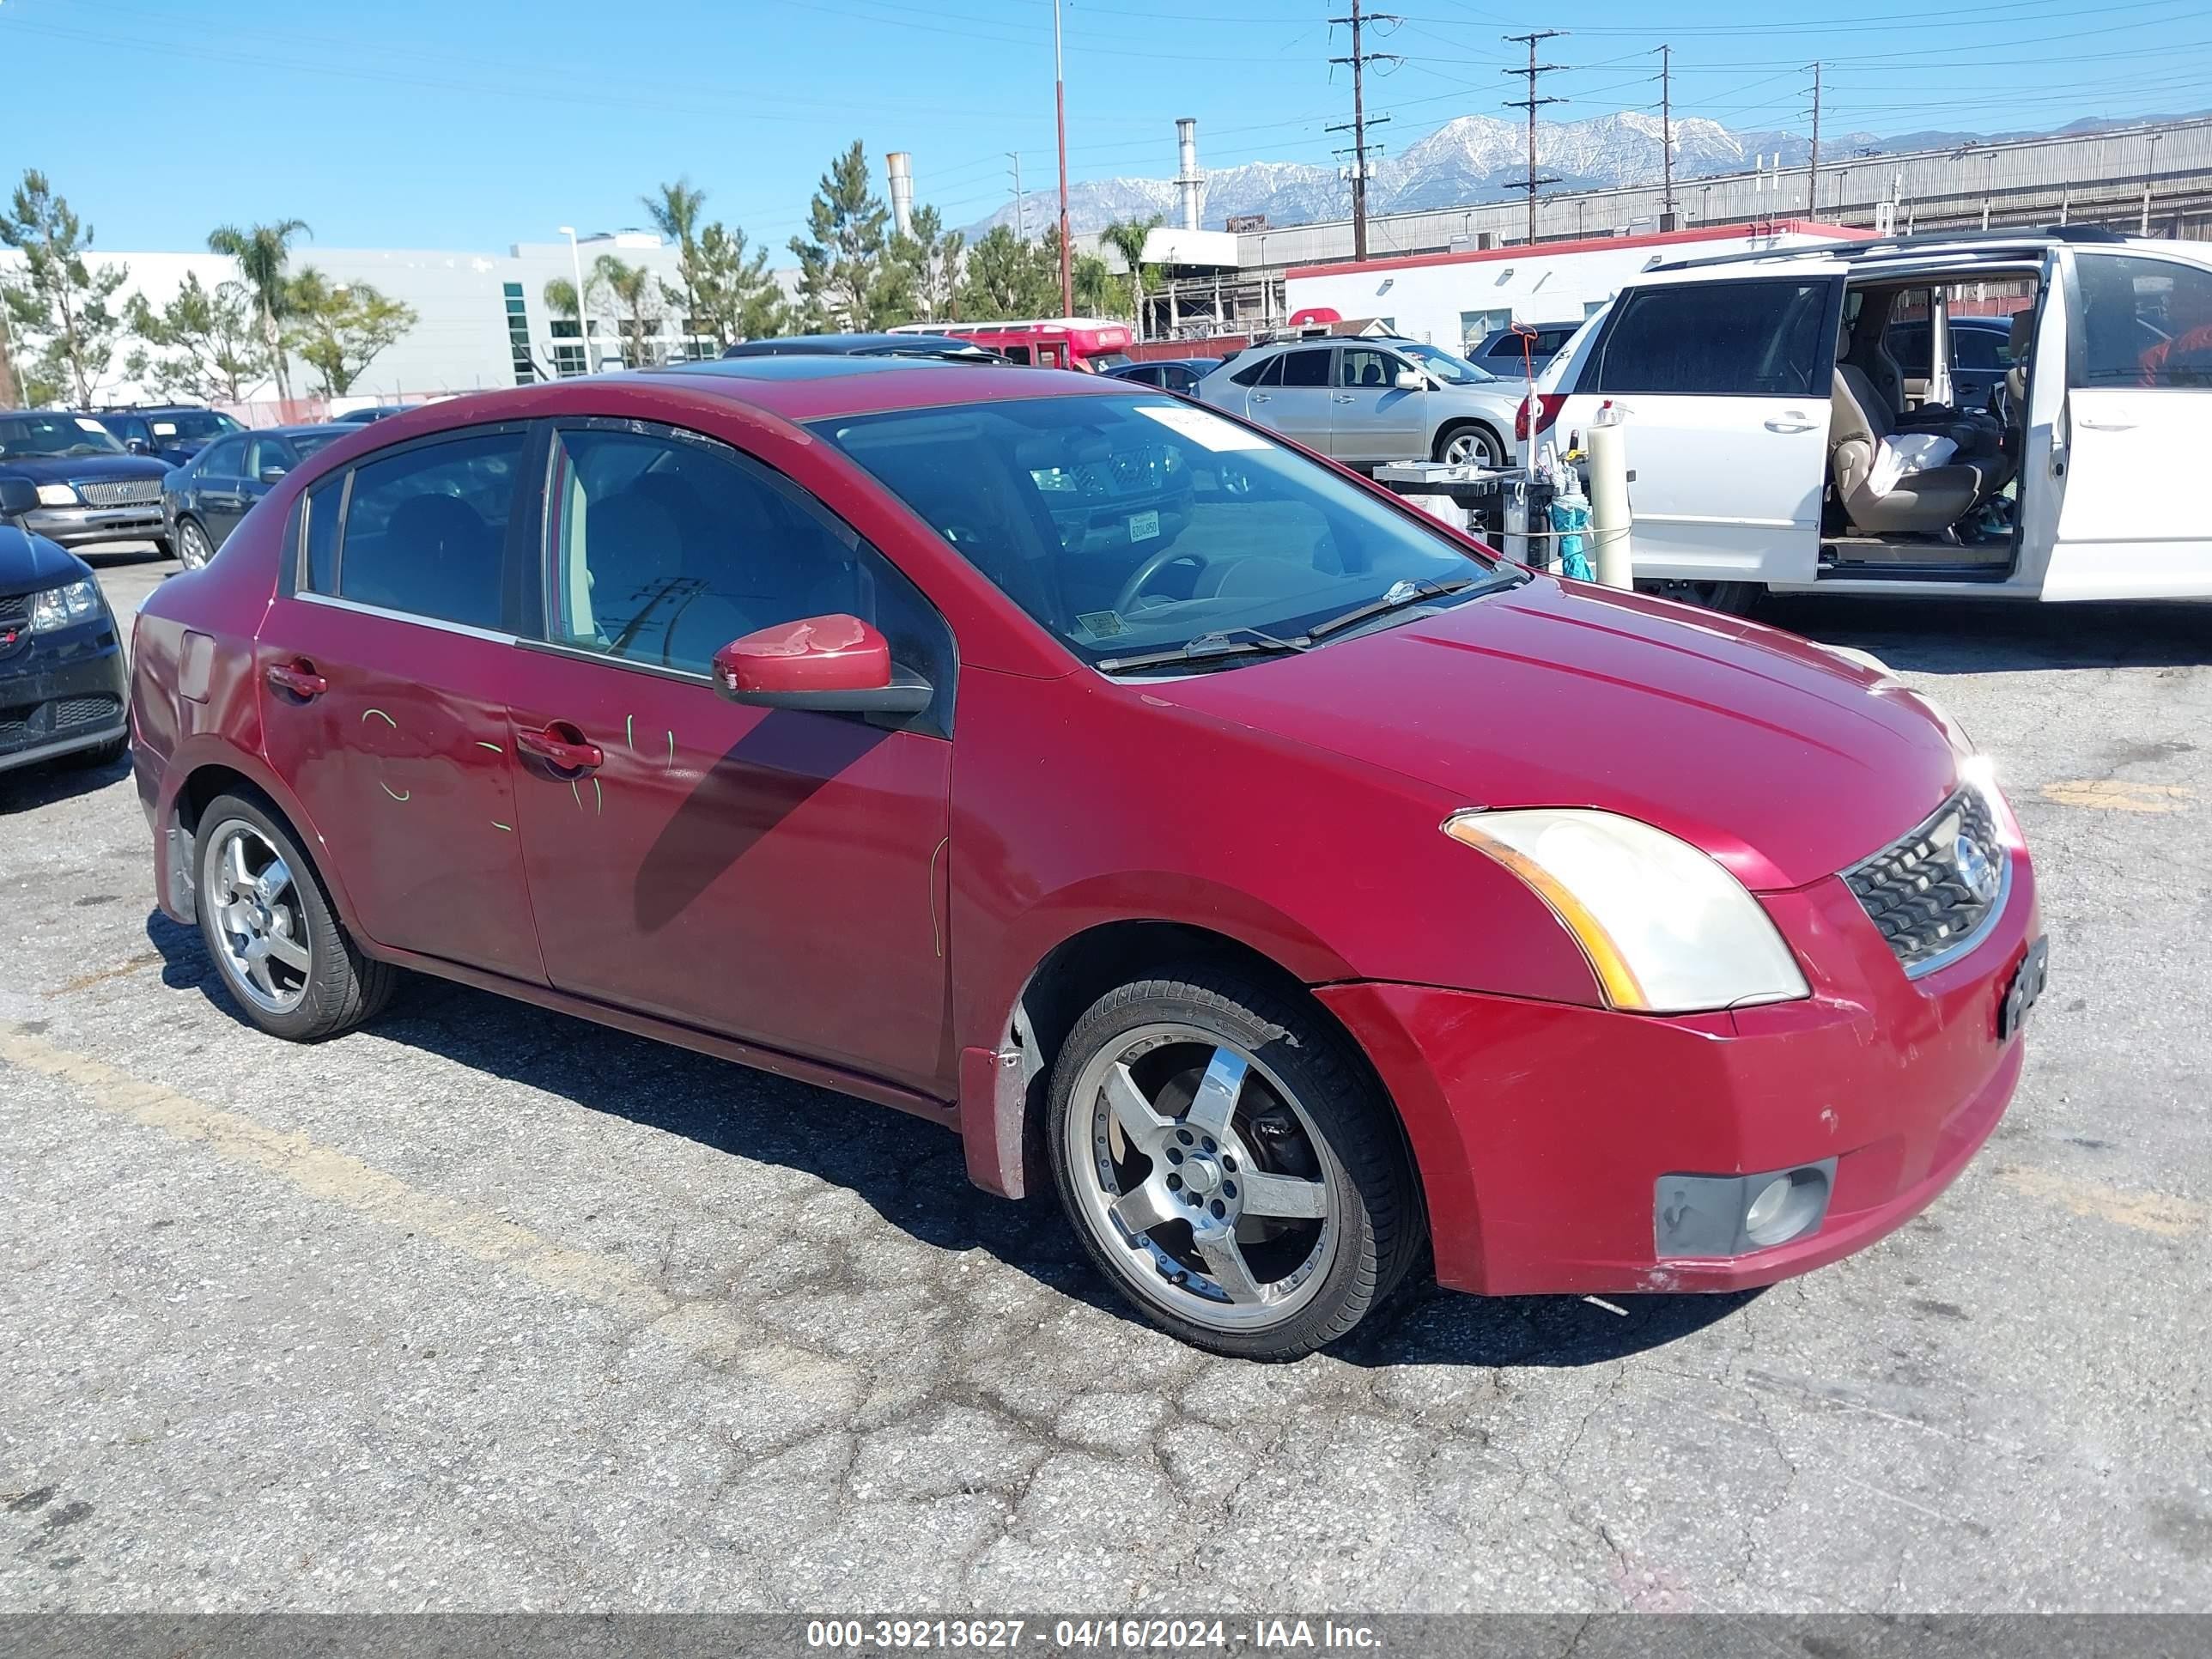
x=1776, y=442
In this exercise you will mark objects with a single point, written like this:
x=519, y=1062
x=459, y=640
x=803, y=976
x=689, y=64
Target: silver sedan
x=1368, y=401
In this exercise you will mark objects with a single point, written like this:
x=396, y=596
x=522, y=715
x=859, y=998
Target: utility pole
x=1813, y=173
x=1667, y=133
x=1021, y=214
x=1532, y=103
x=1357, y=126
x=1059, y=117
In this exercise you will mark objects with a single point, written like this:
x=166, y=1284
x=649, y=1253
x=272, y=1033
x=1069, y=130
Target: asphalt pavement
x=487, y=1309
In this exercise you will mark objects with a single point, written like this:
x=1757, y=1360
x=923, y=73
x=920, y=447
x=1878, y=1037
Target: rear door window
x=1744, y=339
x=426, y=529
x=1309, y=367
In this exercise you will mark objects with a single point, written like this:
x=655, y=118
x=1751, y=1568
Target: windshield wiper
x=1224, y=642
x=1401, y=595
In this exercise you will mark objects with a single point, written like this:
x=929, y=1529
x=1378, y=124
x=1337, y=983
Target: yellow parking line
x=336, y=1177
x=2118, y=794
x=2148, y=1212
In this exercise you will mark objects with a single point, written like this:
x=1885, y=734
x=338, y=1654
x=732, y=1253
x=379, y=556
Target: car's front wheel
x=1230, y=1167
x=1470, y=446
x=194, y=550
x=275, y=938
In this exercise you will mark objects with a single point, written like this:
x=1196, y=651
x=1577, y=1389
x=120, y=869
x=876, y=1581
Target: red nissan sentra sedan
x=1183, y=822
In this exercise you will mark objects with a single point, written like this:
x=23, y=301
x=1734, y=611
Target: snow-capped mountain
x=1472, y=159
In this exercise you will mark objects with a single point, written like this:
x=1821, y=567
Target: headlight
x=60, y=607
x=1667, y=930
x=56, y=496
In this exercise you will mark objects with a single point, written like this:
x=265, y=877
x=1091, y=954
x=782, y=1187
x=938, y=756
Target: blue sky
x=473, y=124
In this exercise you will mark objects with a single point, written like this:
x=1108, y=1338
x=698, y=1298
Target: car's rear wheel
x=1470, y=446
x=194, y=547
x=1232, y=1170
x=1731, y=598
x=272, y=931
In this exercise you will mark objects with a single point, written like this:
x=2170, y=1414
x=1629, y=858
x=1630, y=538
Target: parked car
x=1176, y=374
x=1508, y=352
x=1314, y=893
x=204, y=500
x=1981, y=355
x=90, y=489
x=936, y=347
x=1370, y=401
x=374, y=412
x=1764, y=420
x=174, y=433
x=62, y=677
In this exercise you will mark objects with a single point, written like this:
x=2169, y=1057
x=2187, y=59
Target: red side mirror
x=834, y=662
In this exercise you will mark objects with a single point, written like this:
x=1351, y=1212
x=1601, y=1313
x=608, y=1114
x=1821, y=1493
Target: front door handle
x=1789, y=420
x=562, y=747
x=298, y=678
x=1342, y=397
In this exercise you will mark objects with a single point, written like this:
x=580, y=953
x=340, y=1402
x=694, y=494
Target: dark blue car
x=1180, y=374
x=172, y=433
x=62, y=681
x=203, y=500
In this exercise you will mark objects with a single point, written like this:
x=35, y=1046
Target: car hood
x=1784, y=761
x=29, y=563
x=83, y=469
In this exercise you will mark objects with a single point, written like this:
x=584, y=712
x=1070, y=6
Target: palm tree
x=261, y=253
x=637, y=291
x=561, y=300
x=675, y=212
x=1126, y=238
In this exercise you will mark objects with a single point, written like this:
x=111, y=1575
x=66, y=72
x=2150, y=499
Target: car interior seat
x=1927, y=503
x=2019, y=346
x=437, y=549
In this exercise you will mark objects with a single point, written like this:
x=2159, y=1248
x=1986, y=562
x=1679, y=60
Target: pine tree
x=58, y=305
x=841, y=259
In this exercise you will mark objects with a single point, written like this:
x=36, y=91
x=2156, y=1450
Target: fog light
x=1714, y=1216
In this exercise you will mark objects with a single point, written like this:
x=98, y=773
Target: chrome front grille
x=121, y=492
x=1933, y=892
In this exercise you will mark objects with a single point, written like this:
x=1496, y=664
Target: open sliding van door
x=2119, y=423
x=1721, y=385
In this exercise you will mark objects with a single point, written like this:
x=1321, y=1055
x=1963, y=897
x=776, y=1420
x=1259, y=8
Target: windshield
x=1130, y=525
x=23, y=435
x=193, y=426
x=1452, y=371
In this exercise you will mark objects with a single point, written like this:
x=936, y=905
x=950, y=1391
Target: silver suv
x=1370, y=401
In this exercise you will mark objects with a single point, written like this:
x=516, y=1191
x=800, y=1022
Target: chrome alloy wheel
x=260, y=928
x=193, y=548
x=1202, y=1178
x=1472, y=447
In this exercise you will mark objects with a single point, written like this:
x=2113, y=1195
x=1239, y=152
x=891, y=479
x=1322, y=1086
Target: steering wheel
x=1135, y=587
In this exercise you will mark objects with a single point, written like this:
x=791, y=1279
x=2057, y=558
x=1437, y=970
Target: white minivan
x=1790, y=422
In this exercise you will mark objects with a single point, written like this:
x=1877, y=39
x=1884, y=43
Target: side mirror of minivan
x=835, y=664
x=1411, y=380
x=17, y=498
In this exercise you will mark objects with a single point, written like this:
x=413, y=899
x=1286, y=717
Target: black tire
x=342, y=987
x=1482, y=435
x=1729, y=598
x=1381, y=1230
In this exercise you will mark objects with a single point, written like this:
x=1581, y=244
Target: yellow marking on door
x=494, y=747
x=2119, y=795
x=629, y=732
x=396, y=794
x=936, y=932
x=599, y=795
x=577, y=792
x=496, y=824
x=381, y=715
x=671, y=749
x=2147, y=1213
x=288, y=1159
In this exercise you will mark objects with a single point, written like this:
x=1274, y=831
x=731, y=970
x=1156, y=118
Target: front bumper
x=82, y=527
x=61, y=692
x=1541, y=1129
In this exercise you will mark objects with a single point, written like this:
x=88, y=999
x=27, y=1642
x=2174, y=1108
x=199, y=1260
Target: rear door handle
x=561, y=746
x=1342, y=397
x=1790, y=420
x=1259, y=396
x=299, y=677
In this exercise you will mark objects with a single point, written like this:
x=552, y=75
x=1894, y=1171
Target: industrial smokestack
x=901, y=169
x=1188, y=179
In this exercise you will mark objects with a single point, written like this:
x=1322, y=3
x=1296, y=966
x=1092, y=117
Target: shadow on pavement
x=1980, y=636
x=913, y=1175
x=44, y=782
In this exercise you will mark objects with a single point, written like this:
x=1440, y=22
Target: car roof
x=853, y=345
x=1913, y=255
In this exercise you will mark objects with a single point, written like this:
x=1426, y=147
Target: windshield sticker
x=1144, y=526
x=1201, y=428
x=89, y=425
x=1101, y=624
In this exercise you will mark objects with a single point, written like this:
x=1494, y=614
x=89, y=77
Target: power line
x=1359, y=59
x=1532, y=103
